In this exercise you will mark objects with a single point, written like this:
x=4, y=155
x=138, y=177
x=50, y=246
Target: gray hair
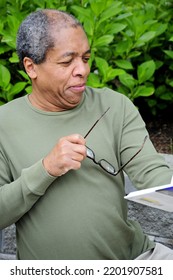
x=35, y=36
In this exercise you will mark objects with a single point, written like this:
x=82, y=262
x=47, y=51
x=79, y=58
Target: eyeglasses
x=104, y=164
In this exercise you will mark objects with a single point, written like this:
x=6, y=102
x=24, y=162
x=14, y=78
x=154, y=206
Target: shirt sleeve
x=148, y=168
x=19, y=196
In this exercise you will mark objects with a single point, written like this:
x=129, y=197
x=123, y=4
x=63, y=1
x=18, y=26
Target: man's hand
x=67, y=154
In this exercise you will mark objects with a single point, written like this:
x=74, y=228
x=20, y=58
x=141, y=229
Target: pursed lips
x=78, y=88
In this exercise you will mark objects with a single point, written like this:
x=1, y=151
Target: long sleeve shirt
x=82, y=214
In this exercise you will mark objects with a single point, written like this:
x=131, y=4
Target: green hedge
x=131, y=43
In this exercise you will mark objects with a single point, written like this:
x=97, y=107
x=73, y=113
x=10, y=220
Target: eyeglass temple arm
x=122, y=167
x=96, y=123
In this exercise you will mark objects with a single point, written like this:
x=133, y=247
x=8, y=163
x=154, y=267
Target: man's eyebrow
x=74, y=53
x=88, y=52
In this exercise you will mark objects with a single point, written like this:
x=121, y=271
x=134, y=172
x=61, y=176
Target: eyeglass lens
x=103, y=163
x=108, y=166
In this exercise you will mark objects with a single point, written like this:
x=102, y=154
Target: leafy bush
x=131, y=47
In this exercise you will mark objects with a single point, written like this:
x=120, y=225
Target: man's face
x=60, y=80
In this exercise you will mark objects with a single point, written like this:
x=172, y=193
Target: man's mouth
x=78, y=88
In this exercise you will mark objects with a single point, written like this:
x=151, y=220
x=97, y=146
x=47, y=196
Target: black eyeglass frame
x=114, y=173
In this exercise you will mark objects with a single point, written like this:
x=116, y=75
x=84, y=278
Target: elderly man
x=61, y=172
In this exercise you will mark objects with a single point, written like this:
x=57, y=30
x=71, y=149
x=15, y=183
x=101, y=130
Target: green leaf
x=112, y=73
x=159, y=28
x=125, y=64
x=145, y=71
x=18, y=87
x=5, y=76
x=114, y=28
x=171, y=84
x=24, y=75
x=134, y=54
x=14, y=58
x=97, y=7
x=9, y=40
x=123, y=16
x=101, y=64
x=28, y=89
x=145, y=38
x=111, y=11
x=94, y=81
x=89, y=27
x=127, y=80
x=107, y=71
x=13, y=23
x=158, y=64
x=4, y=48
x=102, y=41
x=143, y=91
x=169, y=53
x=124, y=46
x=82, y=13
x=160, y=90
x=167, y=96
x=152, y=102
x=9, y=34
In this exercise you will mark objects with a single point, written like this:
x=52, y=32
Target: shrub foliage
x=131, y=46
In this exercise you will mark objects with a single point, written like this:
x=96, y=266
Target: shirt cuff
x=37, y=179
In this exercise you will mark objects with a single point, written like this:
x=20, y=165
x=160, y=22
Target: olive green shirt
x=82, y=214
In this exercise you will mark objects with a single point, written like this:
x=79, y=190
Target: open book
x=160, y=197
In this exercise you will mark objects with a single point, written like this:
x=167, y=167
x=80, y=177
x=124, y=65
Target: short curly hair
x=35, y=36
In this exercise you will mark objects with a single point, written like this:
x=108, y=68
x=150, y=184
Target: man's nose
x=81, y=68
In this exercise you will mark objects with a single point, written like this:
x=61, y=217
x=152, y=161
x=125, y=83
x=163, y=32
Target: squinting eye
x=66, y=62
x=85, y=59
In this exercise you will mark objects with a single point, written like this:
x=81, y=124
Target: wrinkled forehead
x=69, y=42
x=69, y=36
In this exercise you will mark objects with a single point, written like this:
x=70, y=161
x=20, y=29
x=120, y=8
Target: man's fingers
x=66, y=155
x=75, y=138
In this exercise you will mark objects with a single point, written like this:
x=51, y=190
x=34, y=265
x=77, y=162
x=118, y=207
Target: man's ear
x=29, y=67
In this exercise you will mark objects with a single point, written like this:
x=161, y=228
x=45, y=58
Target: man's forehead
x=70, y=42
x=72, y=53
